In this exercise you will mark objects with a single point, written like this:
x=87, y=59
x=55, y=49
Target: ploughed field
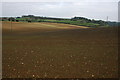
x=52, y=50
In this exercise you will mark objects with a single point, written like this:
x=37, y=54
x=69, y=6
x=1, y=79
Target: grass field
x=52, y=50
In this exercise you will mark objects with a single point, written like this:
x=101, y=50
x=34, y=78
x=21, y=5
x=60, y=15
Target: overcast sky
x=91, y=9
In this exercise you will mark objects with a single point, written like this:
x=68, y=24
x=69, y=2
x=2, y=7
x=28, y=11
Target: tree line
x=75, y=20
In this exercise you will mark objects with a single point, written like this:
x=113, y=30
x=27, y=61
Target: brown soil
x=51, y=50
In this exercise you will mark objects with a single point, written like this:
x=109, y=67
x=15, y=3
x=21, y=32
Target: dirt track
x=51, y=50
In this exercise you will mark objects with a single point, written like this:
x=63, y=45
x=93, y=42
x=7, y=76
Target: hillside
x=80, y=21
x=54, y=50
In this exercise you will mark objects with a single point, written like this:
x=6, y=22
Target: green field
x=67, y=21
x=79, y=21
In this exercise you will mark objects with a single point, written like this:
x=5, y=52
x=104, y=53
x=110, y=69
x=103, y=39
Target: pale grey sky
x=92, y=9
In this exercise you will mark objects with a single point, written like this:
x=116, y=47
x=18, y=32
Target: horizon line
x=61, y=17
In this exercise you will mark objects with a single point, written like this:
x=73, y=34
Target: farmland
x=79, y=21
x=56, y=50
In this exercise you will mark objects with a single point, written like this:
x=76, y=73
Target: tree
x=11, y=19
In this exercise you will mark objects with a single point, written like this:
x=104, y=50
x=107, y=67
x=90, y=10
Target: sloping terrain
x=52, y=50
